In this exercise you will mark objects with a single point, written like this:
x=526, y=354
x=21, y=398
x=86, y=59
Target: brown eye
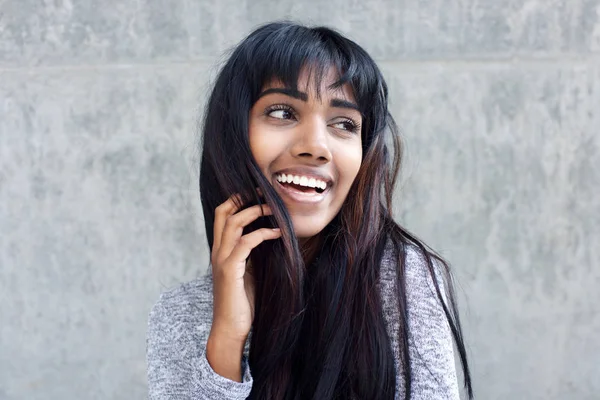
x=347, y=125
x=281, y=114
x=280, y=111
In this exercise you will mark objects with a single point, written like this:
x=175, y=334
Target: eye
x=348, y=125
x=280, y=111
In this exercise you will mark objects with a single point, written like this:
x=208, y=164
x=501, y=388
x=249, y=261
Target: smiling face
x=309, y=148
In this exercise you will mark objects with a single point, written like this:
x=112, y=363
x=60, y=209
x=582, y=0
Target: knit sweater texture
x=180, y=321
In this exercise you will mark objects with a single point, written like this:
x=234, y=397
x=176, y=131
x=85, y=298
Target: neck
x=309, y=248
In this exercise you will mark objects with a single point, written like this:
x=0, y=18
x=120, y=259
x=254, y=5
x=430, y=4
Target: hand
x=233, y=286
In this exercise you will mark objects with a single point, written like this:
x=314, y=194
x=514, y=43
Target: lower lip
x=299, y=196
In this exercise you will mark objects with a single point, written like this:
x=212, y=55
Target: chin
x=306, y=228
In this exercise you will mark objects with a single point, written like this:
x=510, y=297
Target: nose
x=312, y=143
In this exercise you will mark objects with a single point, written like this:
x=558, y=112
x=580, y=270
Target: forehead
x=315, y=86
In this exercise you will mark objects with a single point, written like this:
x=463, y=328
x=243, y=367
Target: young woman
x=314, y=291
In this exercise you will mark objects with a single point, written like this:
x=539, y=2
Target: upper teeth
x=302, y=181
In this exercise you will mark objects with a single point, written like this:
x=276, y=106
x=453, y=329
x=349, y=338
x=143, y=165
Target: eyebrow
x=338, y=103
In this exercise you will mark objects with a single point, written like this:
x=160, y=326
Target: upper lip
x=308, y=172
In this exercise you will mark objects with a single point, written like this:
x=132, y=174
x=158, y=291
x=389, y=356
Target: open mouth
x=300, y=188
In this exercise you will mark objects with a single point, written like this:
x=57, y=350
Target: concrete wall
x=499, y=101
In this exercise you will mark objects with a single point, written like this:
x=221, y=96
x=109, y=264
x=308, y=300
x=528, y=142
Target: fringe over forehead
x=281, y=51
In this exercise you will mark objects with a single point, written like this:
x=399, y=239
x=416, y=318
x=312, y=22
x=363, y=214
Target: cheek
x=350, y=163
x=265, y=144
x=258, y=145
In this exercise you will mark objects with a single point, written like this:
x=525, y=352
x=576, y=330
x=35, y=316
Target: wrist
x=223, y=340
x=222, y=333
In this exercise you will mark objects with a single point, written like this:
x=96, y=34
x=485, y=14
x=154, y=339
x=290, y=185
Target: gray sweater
x=179, y=324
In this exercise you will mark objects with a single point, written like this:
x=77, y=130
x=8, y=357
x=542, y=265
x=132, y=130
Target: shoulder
x=430, y=343
x=424, y=309
x=417, y=271
x=199, y=289
x=186, y=307
x=185, y=296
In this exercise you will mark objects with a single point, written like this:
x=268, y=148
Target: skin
x=284, y=131
x=310, y=133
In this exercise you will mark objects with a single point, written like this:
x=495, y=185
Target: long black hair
x=318, y=330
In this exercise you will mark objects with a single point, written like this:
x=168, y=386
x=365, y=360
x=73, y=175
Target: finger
x=222, y=212
x=234, y=226
x=249, y=241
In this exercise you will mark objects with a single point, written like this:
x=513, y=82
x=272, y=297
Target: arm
x=224, y=357
x=178, y=368
x=430, y=340
x=185, y=360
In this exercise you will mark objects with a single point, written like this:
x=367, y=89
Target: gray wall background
x=499, y=101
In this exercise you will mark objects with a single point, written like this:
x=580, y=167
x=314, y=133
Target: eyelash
x=354, y=126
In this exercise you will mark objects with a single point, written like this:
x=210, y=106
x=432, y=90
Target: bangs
x=281, y=52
